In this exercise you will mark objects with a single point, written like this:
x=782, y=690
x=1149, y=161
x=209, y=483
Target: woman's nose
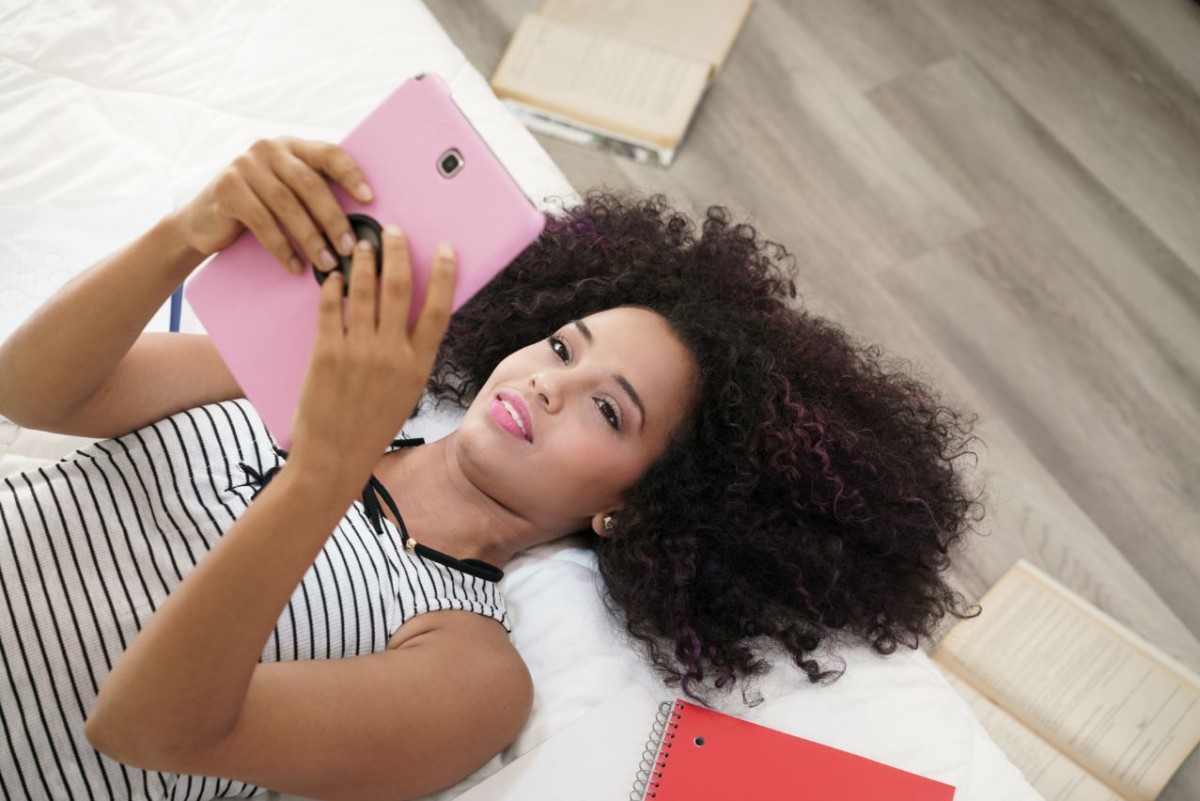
x=546, y=391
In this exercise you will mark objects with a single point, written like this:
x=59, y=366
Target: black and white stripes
x=93, y=544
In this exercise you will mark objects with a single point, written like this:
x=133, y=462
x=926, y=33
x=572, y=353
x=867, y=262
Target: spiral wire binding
x=656, y=753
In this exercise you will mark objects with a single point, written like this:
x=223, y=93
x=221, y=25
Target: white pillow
x=898, y=709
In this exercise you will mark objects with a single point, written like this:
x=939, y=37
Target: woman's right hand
x=278, y=187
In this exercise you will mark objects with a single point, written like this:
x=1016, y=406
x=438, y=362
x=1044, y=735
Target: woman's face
x=565, y=426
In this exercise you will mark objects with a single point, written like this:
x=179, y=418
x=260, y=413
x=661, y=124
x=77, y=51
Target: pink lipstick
x=510, y=412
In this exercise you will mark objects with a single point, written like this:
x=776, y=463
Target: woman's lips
x=512, y=414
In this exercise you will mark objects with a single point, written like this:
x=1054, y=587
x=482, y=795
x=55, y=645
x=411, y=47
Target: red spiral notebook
x=603, y=754
x=697, y=754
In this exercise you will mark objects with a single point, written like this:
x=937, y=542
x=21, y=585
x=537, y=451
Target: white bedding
x=102, y=100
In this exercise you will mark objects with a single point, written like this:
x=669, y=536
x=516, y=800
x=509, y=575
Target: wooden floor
x=1007, y=193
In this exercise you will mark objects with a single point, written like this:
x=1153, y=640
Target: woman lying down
x=182, y=600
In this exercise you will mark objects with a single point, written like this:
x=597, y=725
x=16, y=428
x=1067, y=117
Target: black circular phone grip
x=363, y=227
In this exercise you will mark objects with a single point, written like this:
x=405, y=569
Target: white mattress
x=103, y=100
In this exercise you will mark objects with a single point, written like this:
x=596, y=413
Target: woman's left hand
x=368, y=371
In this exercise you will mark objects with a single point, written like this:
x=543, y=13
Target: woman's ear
x=602, y=524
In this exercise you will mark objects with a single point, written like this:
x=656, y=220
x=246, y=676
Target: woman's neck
x=445, y=511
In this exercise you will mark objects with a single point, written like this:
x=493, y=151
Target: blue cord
x=176, y=307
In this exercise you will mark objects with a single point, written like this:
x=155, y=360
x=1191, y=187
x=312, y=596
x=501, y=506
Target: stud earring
x=608, y=523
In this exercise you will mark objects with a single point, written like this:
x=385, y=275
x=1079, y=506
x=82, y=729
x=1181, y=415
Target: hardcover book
x=622, y=75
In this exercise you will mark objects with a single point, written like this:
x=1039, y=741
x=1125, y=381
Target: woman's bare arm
x=66, y=355
x=57, y=360
x=160, y=375
x=190, y=695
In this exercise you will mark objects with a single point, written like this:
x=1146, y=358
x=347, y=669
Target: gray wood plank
x=1108, y=95
x=873, y=41
x=1065, y=284
x=1168, y=26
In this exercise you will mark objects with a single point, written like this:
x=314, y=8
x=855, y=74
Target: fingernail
x=364, y=246
x=364, y=193
x=296, y=265
x=444, y=250
x=328, y=260
x=393, y=230
x=347, y=243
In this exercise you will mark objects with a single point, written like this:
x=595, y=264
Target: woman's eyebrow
x=583, y=329
x=620, y=379
x=633, y=396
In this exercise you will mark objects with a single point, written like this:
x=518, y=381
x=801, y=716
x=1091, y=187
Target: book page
x=1092, y=688
x=700, y=30
x=621, y=86
x=1055, y=777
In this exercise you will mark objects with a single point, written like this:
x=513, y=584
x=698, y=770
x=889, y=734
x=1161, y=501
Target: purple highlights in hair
x=816, y=489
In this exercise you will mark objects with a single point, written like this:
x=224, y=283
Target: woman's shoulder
x=469, y=628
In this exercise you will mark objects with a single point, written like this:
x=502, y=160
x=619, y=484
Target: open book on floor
x=622, y=75
x=1083, y=706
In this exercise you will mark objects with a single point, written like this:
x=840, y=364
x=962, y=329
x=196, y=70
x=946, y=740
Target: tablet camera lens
x=450, y=163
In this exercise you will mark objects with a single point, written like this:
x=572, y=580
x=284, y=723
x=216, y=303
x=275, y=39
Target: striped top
x=94, y=543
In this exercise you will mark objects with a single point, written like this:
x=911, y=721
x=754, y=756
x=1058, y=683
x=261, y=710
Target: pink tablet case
x=263, y=319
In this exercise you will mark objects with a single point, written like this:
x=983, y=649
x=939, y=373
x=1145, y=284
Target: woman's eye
x=610, y=414
x=560, y=349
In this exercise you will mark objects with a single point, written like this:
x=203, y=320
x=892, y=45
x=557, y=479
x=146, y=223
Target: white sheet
x=42, y=246
x=102, y=100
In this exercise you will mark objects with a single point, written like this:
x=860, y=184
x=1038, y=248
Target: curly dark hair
x=814, y=488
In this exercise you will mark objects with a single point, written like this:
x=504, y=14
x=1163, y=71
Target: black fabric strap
x=370, y=499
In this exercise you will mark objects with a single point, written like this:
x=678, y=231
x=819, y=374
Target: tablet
x=431, y=174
